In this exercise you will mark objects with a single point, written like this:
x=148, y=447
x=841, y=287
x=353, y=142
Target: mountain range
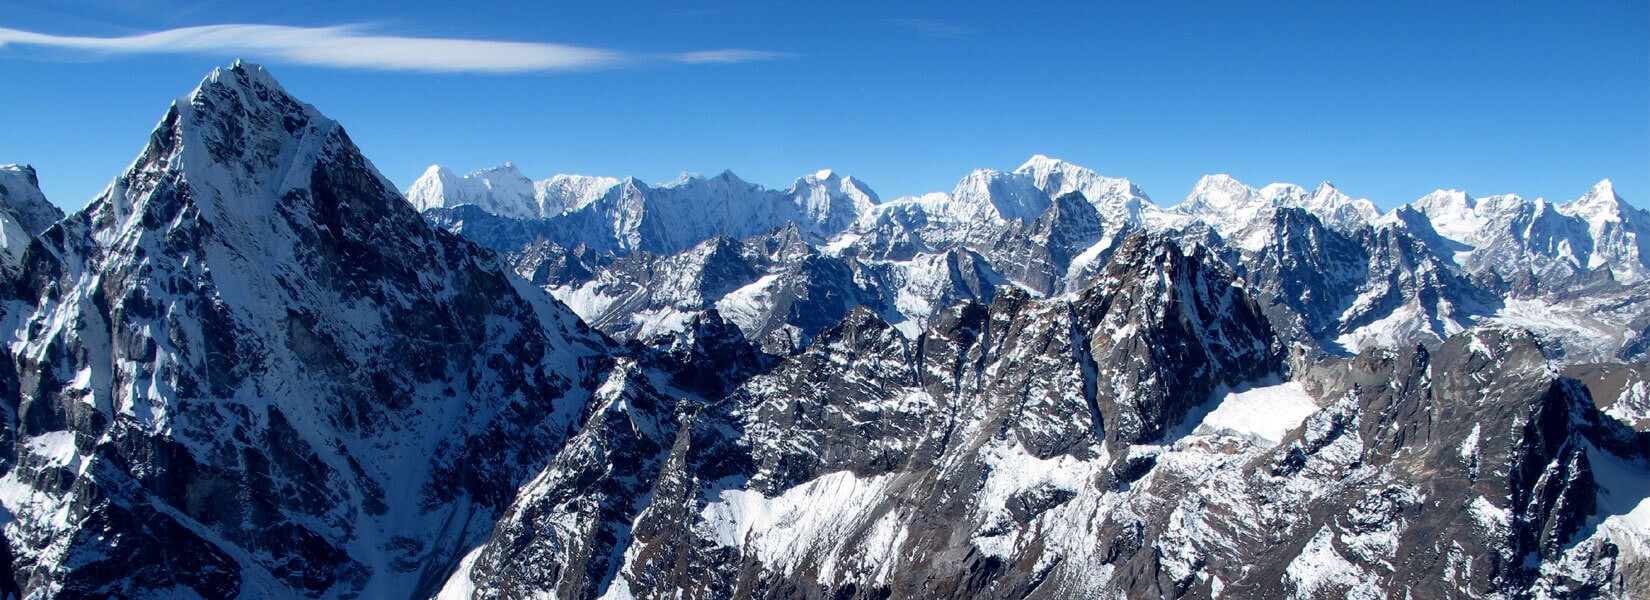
x=253, y=367
x=1349, y=276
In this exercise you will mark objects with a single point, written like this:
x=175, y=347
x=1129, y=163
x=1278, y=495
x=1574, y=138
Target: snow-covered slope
x=1118, y=200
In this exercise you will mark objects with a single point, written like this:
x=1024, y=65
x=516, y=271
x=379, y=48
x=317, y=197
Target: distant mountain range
x=1350, y=276
x=254, y=368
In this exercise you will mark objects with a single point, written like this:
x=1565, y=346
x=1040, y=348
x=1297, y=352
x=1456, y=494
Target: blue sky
x=1389, y=100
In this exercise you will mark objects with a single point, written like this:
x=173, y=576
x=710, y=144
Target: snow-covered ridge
x=1414, y=275
x=1505, y=233
x=504, y=191
x=827, y=204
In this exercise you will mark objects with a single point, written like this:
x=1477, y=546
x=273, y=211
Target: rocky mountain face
x=252, y=368
x=1114, y=446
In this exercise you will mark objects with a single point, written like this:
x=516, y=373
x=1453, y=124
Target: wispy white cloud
x=935, y=29
x=352, y=48
x=726, y=56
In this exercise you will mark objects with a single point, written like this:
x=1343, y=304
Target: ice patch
x=585, y=301
x=666, y=320
x=459, y=586
x=1469, y=451
x=1263, y=414
x=1585, y=328
x=1487, y=515
x=745, y=307
x=1402, y=326
x=839, y=243
x=56, y=448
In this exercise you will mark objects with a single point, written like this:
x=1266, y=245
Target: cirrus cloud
x=352, y=48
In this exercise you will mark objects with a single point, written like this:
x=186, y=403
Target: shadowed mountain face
x=253, y=369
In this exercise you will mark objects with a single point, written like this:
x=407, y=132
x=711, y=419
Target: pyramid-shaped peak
x=240, y=141
x=249, y=95
x=1603, y=191
x=1327, y=193
x=1599, y=203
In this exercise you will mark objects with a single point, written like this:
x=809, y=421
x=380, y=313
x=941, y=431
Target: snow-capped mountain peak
x=242, y=74
x=1338, y=209
x=1620, y=233
x=1599, y=204
x=241, y=138
x=501, y=190
x=830, y=202
x=252, y=292
x=1282, y=194
x=1224, y=203
x=1118, y=200
x=996, y=195
x=1043, y=164
x=1327, y=193
x=1220, y=190
x=1453, y=214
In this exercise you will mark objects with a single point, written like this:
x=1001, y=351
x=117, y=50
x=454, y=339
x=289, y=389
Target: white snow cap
x=1599, y=203
x=503, y=190
x=1043, y=163
x=1220, y=191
